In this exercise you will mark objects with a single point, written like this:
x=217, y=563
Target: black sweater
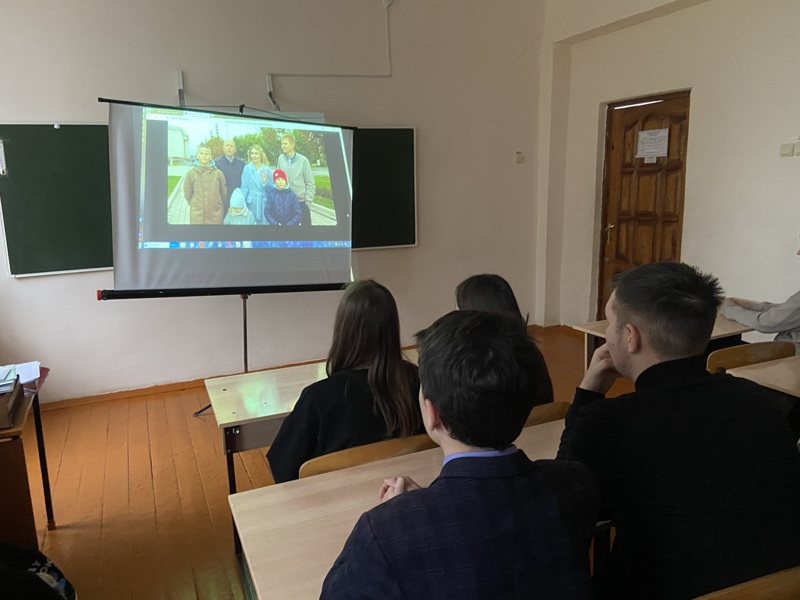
x=333, y=414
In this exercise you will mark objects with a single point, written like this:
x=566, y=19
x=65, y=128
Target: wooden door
x=642, y=213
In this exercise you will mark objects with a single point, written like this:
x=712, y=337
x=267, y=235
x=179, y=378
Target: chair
x=783, y=585
x=350, y=457
x=544, y=413
x=720, y=361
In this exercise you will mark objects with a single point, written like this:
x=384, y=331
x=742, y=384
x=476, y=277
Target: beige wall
x=464, y=75
x=741, y=213
x=567, y=23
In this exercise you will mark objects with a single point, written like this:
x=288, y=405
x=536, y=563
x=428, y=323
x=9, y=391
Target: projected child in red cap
x=282, y=206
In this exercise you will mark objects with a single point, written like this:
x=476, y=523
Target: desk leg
x=48, y=500
x=227, y=443
x=229, y=451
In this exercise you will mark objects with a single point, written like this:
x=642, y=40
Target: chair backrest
x=720, y=361
x=783, y=585
x=359, y=455
x=544, y=413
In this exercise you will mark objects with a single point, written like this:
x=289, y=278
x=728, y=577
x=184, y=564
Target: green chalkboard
x=55, y=198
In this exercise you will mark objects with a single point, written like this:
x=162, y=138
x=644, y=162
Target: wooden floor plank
x=90, y=496
x=210, y=580
x=65, y=543
x=211, y=466
x=115, y=567
x=174, y=564
x=145, y=575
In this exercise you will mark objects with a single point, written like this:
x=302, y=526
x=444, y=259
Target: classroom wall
x=568, y=22
x=463, y=74
x=741, y=218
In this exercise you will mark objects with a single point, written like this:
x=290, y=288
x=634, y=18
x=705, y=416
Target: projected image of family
x=232, y=173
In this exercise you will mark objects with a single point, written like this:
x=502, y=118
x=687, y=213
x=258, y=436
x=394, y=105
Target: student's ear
x=432, y=417
x=633, y=338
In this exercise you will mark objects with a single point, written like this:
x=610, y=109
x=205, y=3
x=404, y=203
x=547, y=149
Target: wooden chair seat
x=783, y=585
x=545, y=413
x=360, y=455
x=720, y=361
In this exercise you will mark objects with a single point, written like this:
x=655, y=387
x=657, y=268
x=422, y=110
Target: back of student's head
x=366, y=335
x=488, y=292
x=675, y=306
x=483, y=373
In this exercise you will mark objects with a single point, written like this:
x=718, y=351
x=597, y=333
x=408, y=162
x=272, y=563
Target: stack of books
x=8, y=375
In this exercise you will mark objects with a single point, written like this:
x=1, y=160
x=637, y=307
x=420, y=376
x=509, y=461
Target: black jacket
x=700, y=475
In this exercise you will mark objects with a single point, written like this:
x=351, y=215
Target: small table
x=250, y=408
x=15, y=457
x=595, y=331
x=292, y=533
x=782, y=374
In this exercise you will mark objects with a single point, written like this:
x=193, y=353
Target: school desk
x=251, y=407
x=291, y=533
x=17, y=523
x=782, y=374
x=595, y=332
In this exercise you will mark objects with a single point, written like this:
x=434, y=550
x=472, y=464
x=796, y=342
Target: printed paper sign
x=652, y=143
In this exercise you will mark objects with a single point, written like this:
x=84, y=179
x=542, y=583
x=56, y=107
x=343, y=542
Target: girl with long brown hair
x=370, y=393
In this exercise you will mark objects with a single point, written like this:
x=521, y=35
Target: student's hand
x=601, y=374
x=741, y=302
x=394, y=486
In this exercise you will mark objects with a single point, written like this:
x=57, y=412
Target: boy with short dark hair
x=493, y=524
x=698, y=471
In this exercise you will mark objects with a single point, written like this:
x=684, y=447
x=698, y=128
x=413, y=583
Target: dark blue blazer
x=501, y=527
x=233, y=174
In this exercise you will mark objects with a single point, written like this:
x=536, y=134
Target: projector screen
x=213, y=200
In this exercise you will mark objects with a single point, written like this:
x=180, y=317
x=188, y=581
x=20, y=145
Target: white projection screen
x=183, y=220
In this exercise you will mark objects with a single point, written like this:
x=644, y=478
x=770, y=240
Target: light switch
x=521, y=157
x=787, y=150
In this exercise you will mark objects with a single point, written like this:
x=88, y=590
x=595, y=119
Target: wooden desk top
x=262, y=395
x=292, y=532
x=782, y=374
x=723, y=327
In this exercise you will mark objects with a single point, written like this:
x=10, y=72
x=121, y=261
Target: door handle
x=606, y=231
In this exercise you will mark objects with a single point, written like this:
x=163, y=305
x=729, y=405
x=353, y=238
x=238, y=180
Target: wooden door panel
x=644, y=246
x=625, y=206
x=670, y=236
x=642, y=213
x=629, y=145
x=646, y=199
x=673, y=191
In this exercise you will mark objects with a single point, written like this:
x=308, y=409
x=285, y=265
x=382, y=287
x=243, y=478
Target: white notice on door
x=652, y=143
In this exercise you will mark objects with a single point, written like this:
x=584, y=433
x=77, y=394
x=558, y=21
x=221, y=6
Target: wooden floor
x=140, y=489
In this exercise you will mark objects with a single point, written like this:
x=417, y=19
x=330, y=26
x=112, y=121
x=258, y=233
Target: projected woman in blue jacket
x=282, y=207
x=256, y=179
